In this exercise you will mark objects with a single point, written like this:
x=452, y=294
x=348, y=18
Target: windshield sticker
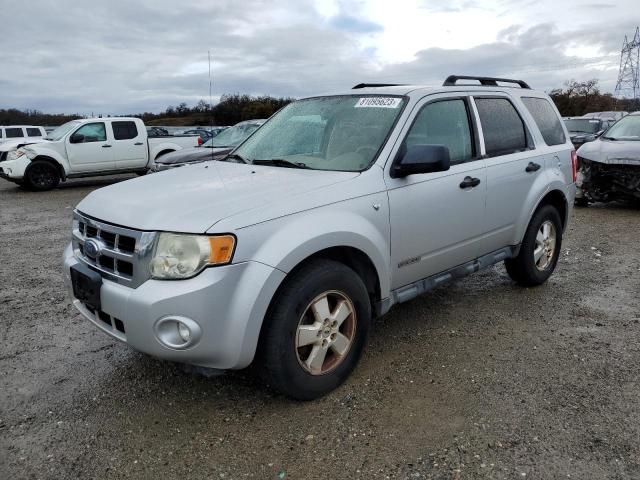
x=378, y=102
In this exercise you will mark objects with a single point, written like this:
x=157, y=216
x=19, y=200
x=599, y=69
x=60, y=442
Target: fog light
x=177, y=333
x=184, y=332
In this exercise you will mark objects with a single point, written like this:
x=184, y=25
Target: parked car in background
x=157, y=132
x=87, y=148
x=213, y=149
x=582, y=130
x=205, y=133
x=24, y=133
x=283, y=254
x=610, y=165
x=614, y=115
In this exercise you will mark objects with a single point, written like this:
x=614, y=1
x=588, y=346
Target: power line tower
x=628, y=85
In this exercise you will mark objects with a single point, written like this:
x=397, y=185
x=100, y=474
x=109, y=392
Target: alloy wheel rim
x=325, y=332
x=545, y=245
x=42, y=176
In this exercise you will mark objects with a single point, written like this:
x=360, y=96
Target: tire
x=524, y=269
x=294, y=337
x=41, y=175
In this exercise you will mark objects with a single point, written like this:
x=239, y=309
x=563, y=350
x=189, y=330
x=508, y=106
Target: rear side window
x=34, y=132
x=13, y=133
x=503, y=129
x=444, y=123
x=124, y=130
x=546, y=119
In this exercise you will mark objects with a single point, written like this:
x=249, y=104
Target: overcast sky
x=143, y=55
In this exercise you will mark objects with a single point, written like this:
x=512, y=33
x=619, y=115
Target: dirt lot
x=480, y=379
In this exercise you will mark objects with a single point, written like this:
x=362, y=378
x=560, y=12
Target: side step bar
x=411, y=291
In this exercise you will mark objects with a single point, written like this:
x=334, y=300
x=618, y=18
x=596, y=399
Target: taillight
x=200, y=141
x=574, y=165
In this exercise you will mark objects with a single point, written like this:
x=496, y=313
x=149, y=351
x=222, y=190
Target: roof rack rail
x=485, y=81
x=368, y=85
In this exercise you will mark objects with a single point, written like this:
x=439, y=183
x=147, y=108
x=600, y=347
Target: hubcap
x=545, y=245
x=42, y=176
x=325, y=332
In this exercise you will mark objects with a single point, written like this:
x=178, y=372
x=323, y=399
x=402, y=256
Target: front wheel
x=540, y=249
x=41, y=175
x=316, y=330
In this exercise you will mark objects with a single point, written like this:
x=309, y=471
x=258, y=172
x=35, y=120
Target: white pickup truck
x=87, y=148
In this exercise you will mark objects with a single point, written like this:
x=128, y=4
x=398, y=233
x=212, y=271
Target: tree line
x=230, y=110
x=573, y=99
x=577, y=98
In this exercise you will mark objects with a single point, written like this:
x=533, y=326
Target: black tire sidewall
x=283, y=367
x=41, y=163
x=527, y=263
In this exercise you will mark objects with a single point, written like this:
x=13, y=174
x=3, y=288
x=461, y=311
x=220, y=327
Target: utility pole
x=628, y=85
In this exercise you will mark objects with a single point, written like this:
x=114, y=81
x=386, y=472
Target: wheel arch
x=58, y=166
x=558, y=200
x=163, y=152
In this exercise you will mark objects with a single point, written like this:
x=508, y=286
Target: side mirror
x=77, y=138
x=422, y=159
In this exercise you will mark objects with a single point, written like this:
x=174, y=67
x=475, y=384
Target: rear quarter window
x=546, y=119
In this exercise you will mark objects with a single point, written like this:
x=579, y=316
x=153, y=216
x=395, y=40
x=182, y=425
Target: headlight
x=182, y=256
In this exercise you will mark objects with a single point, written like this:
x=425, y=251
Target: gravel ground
x=479, y=379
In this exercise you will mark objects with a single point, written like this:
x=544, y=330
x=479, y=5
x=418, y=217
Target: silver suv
x=333, y=211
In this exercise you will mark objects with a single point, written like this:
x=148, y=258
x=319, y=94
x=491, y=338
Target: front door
x=89, y=149
x=437, y=218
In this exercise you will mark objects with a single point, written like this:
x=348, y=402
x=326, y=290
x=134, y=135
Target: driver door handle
x=470, y=182
x=106, y=146
x=138, y=143
x=532, y=167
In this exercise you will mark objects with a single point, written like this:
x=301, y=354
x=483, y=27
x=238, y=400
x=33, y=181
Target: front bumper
x=14, y=169
x=228, y=303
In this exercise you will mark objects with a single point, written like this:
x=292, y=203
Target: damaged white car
x=610, y=166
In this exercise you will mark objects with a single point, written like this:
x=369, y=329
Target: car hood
x=9, y=145
x=193, y=198
x=619, y=152
x=196, y=154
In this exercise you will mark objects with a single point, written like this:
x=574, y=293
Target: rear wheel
x=41, y=175
x=540, y=249
x=316, y=330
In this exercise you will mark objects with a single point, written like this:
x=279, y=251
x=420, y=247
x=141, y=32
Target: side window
x=546, y=119
x=502, y=127
x=92, y=132
x=34, y=132
x=124, y=130
x=444, y=123
x=13, y=133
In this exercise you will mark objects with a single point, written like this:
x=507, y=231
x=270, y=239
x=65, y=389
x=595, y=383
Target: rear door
x=436, y=219
x=89, y=148
x=129, y=145
x=512, y=167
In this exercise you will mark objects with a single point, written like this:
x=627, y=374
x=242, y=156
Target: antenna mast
x=210, y=90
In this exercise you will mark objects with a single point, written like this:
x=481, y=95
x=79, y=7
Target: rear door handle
x=470, y=182
x=106, y=146
x=532, y=167
x=138, y=143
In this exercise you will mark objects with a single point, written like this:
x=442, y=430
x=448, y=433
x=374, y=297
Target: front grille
x=117, y=253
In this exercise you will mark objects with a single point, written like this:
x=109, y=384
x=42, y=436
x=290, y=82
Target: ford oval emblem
x=91, y=248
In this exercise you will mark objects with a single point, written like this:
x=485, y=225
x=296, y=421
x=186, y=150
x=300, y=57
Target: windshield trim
x=353, y=95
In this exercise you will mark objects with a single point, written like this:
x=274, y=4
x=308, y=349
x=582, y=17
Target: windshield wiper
x=609, y=138
x=236, y=156
x=280, y=162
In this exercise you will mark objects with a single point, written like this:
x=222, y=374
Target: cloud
x=121, y=56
